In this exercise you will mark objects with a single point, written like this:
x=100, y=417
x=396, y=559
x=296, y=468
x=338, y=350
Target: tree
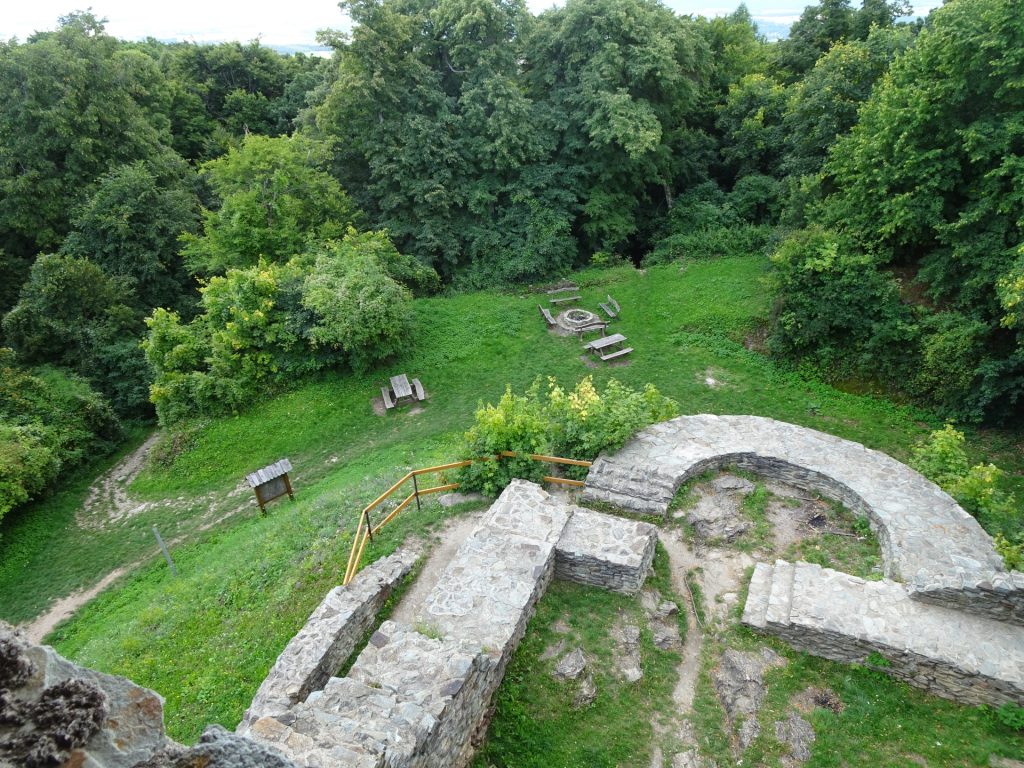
x=274, y=202
x=751, y=125
x=824, y=104
x=359, y=309
x=620, y=81
x=131, y=226
x=72, y=314
x=75, y=106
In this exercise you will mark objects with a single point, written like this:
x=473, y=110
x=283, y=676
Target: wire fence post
x=163, y=548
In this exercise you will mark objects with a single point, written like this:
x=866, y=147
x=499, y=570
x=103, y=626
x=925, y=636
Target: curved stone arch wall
x=927, y=539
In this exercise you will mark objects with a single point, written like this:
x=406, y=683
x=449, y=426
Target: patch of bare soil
x=108, y=500
x=447, y=543
x=64, y=608
x=812, y=698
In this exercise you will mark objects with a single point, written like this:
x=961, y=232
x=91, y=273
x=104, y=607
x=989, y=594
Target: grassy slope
x=206, y=639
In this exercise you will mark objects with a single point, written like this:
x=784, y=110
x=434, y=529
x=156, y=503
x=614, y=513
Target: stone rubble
x=571, y=665
x=739, y=682
x=416, y=695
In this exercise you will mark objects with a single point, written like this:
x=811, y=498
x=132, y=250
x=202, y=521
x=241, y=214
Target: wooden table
x=401, y=387
x=604, y=346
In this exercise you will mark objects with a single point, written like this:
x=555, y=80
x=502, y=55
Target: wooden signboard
x=271, y=483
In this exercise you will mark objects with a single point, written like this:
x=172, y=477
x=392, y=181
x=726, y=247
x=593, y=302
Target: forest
x=187, y=228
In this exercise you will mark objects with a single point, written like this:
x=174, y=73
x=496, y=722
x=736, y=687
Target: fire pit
x=574, y=319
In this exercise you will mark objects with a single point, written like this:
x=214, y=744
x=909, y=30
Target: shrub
x=835, y=308
x=942, y=459
x=577, y=424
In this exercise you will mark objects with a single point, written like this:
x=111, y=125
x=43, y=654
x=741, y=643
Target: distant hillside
x=772, y=30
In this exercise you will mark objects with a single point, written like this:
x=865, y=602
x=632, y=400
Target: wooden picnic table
x=401, y=387
x=402, y=390
x=603, y=347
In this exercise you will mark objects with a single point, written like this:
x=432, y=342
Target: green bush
x=942, y=459
x=577, y=424
x=835, y=308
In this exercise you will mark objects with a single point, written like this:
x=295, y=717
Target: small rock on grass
x=586, y=693
x=798, y=735
x=571, y=665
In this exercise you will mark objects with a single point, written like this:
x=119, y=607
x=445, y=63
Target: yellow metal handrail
x=365, y=531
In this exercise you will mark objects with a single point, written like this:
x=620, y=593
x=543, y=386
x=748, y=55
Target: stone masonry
x=952, y=628
x=330, y=635
x=416, y=695
x=927, y=540
x=950, y=653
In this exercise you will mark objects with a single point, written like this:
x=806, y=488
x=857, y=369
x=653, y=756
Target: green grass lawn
x=206, y=639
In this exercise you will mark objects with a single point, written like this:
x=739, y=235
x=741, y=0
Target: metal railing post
x=416, y=490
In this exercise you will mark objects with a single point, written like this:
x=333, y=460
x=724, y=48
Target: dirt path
x=65, y=607
x=108, y=503
x=108, y=499
x=449, y=540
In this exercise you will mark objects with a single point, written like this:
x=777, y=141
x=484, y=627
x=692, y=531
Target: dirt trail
x=108, y=503
x=108, y=499
x=65, y=607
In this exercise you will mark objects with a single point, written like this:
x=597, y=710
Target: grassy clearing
x=881, y=723
x=206, y=639
x=535, y=722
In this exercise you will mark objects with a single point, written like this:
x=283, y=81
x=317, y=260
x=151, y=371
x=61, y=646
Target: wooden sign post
x=271, y=483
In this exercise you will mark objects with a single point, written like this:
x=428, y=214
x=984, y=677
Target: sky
x=294, y=22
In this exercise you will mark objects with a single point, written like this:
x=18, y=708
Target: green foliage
x=359, y=308
x=823, y=105
x=578, y=424
x=751, y=124
x=76, y=105
x=942, y=459
x=274, y=203
x=50, y=422
x=931, y=176
x=835, y=307
x=263, y=327
x=71, y=313
x=129, y=228
x=708, y=223
x=1012, y=716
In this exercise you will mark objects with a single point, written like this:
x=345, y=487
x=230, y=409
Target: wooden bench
x=613, y=355
x=563, y=301
x=418, y=389
x=602, y=327
x=612, y=308
x=566, y=289
x=547, y=315
x=386, y=394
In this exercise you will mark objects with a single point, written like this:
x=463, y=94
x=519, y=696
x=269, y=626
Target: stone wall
x=949, y=653
x=604, y=551
x=927, y=540
x=329, y=637
x=417, y=695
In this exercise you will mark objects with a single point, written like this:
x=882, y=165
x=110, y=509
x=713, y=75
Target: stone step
x=950, y=653
x=635, y=488
x=780, y=598
x=756, y=608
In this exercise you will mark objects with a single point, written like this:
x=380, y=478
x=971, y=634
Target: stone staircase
x=957, y=655
x=635, y=487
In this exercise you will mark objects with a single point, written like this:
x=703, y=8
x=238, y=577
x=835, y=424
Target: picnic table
x=402, y=391
x=609, y=347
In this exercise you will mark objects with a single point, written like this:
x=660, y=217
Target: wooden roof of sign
x=265, y=475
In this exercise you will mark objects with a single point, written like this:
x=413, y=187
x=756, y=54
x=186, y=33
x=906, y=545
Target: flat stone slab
x=948, y=652
x=926, y=538
x=605, y=551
